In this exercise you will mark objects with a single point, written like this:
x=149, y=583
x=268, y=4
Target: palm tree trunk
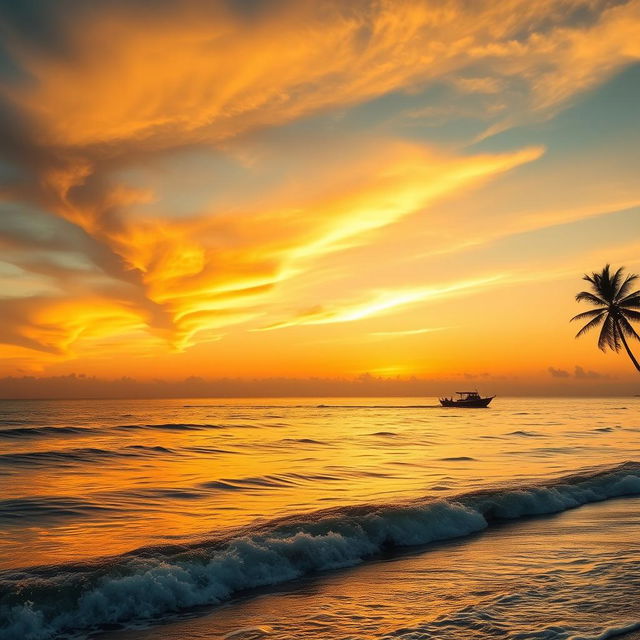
x=626, y=346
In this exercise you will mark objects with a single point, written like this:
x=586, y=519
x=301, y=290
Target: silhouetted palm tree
x=615, y=309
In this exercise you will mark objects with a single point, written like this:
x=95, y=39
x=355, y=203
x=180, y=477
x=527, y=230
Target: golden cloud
x=202, y=72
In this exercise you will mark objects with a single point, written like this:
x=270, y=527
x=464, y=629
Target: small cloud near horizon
x=583, y=374
x=579, y=373
x=558, y=373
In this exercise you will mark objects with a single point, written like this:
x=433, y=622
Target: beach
x=320, y=518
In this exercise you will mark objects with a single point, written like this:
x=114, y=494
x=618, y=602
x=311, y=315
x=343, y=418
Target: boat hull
x=476, y=403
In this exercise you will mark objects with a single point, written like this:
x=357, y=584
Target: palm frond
x=632, y=300
x=627, y=329
x=617, y=343
x=630, y=314
x=609, y=335
x=588, y=314
x=614, y=284
x=590, y=297
x=600, y=281
x=592, y=324
x=623, y=290
x=596, y=278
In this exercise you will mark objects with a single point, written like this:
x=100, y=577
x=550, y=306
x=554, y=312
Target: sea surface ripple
x=126, y=513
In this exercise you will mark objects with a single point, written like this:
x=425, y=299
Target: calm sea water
x=385, y=518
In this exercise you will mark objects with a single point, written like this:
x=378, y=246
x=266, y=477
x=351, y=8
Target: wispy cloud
x=205, y=71
x=406, y=332
x=381, y=303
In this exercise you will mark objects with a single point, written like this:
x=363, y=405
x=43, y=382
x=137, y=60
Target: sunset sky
x=298, y=188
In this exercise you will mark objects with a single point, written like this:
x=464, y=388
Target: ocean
x=359, y=518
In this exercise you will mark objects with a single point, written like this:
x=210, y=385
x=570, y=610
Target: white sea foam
x=39, y=604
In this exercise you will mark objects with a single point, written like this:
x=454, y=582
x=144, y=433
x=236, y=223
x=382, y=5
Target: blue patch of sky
x=9, y=269
x=451, y=118
x=9, y=173
x=32, y=225
x=10, y=70
x=33, y=236
x=604, y=116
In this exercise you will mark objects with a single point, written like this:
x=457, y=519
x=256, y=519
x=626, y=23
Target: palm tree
x=615, y=309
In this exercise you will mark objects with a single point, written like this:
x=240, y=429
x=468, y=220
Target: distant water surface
x=221, y=496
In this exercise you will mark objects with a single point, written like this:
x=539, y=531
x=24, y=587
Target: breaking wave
x=147, y=584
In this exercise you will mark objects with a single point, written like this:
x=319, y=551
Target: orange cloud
x=52, y=325
x=202, y=72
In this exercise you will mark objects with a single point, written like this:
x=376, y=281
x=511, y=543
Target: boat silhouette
x=467, y=400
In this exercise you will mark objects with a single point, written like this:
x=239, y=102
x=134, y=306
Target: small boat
x=467, y=400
